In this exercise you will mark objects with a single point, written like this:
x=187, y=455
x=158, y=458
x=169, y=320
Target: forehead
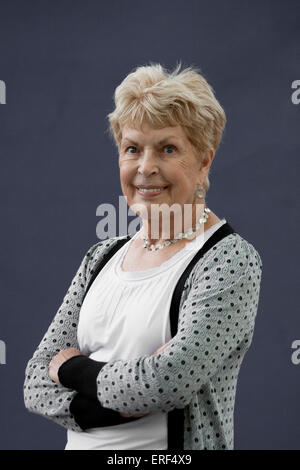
x=148, y=133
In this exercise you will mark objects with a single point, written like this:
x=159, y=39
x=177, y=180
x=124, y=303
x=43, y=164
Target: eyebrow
x=126, y=139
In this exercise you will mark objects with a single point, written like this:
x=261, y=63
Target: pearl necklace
x=179, y=236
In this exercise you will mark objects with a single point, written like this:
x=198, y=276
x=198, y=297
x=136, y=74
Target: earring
x=200, y=192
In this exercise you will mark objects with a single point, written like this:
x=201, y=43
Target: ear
x=208, y=159
x=206, y=162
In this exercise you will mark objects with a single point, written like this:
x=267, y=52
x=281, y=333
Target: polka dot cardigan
x=194, y=376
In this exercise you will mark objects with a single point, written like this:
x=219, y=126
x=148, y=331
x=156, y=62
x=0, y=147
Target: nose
x=148, y=163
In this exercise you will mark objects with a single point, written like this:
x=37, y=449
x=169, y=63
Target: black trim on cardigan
x=106, y=257
x=80, y=373
x=89, y=416
x=176, y=416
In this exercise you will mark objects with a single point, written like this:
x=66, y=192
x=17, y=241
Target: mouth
x=150, y=191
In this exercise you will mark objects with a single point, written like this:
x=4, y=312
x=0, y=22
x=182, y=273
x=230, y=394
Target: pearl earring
x=200, y=192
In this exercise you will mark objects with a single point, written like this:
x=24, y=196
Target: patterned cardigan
x=195, y=375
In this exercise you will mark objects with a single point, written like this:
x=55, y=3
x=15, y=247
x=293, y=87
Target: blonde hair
x=151, y=94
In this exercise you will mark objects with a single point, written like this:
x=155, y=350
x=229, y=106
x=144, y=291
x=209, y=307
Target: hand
x=137, y=416
x=59, y=359
x=161, y=349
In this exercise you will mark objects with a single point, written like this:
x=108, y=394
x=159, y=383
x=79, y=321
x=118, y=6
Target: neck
x=158, y=230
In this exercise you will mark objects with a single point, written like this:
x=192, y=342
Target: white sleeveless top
x=125, y=315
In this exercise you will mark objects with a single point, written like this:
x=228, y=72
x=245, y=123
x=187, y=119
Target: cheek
x=188, y=174
x=181, y=171
x=126, y=175
x=180, y=179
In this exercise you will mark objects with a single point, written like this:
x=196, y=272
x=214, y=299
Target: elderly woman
x=145, y=349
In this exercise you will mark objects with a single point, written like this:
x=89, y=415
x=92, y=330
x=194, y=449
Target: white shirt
x=125, y=315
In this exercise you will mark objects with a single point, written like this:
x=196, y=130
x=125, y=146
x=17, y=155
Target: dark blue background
x=61, y=61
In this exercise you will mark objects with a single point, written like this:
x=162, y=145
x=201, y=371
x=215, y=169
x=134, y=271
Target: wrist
x=80, y=373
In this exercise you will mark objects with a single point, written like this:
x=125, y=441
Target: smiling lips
x=150, y=191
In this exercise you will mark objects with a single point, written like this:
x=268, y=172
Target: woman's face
x=161, y=158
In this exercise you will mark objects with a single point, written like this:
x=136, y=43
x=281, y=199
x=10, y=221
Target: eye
x=133, y=147
x=170, y=146
x=130, y=147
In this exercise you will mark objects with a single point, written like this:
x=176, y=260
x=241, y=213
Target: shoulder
x=235, y=250
x=97, y=251
x=226, y=262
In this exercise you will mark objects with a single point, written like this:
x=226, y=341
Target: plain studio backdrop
x=60, y=62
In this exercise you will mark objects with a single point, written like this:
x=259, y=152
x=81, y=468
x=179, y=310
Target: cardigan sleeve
x=88, y=413
x=41, y=394
x=216, y=320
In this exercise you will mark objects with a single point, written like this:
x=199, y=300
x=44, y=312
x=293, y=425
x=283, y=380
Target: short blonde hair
x=151, y=94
